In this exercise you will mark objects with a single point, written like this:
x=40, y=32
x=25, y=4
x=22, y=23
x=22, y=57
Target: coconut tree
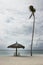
x=32, y=9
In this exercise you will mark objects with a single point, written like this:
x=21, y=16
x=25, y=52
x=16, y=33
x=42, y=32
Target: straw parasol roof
x=16, y=45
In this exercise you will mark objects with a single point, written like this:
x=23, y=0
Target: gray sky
x=15, y=24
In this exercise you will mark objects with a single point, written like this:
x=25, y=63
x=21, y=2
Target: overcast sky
x=15, y=24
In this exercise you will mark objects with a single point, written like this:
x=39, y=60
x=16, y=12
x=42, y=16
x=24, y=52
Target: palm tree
x=32, y=9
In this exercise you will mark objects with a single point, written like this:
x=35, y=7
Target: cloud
x=10, y=19
x=15, y=24
x=39, y=44
x=38, y=4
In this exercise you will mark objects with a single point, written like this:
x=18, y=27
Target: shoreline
x=24, y=55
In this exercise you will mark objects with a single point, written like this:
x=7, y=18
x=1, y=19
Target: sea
x=20, y=52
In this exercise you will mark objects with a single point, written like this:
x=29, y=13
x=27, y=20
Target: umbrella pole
x=16, y=51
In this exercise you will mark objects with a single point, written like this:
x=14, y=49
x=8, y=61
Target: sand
x=34, y=60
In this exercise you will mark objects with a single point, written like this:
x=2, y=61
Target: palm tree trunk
x=32, y=33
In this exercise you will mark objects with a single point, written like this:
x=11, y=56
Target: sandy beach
x=34, y=60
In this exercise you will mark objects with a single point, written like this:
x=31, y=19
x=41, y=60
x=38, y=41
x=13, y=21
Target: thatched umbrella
x=16, y=45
